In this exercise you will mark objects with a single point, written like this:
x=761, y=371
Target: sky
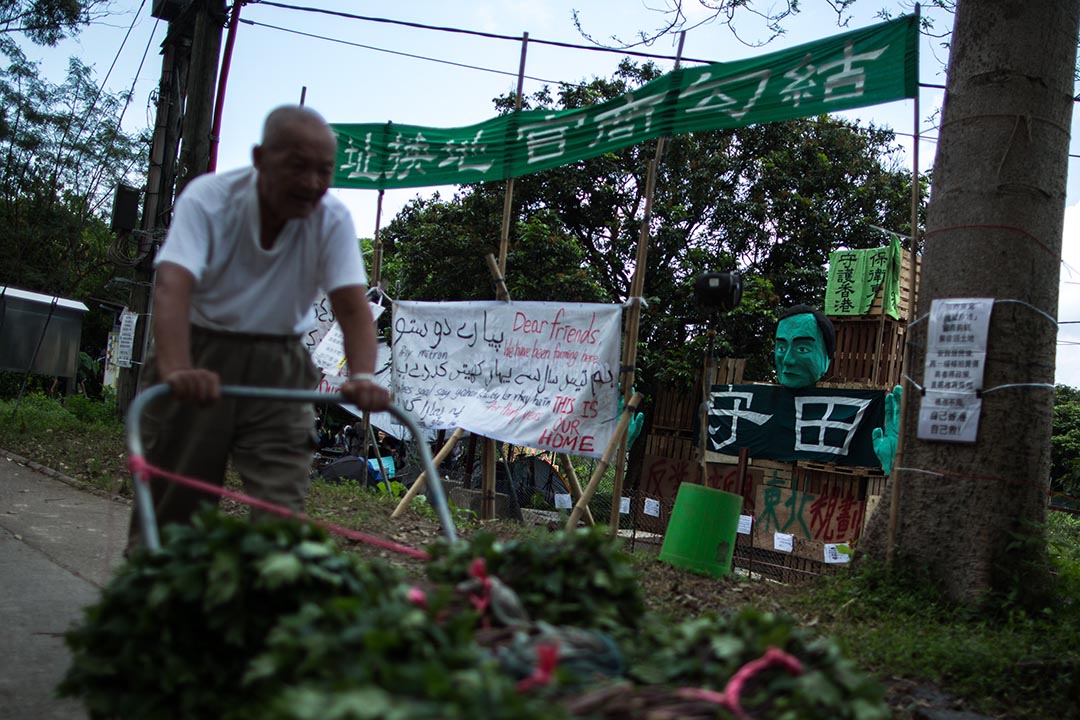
x=371, y=72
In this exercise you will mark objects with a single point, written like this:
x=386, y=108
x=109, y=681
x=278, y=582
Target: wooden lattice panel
x=868, y=351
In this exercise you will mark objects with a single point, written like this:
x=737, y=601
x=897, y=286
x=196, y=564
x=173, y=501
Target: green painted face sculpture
x=800, y=354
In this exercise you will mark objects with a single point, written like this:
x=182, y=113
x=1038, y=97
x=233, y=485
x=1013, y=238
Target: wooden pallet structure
x=826, y=504
x=870, y=347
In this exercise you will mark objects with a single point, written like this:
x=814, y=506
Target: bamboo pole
x=501, y=291
x=575, y=486
x=894, y=477
x=508, y=197
x=637, y=288
x=421, y=480
x=487, y=483
x=708, y=374
x=376, y=273
x=624, y=421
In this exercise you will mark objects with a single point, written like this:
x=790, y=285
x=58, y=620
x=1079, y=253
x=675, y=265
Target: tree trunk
x=994, y=230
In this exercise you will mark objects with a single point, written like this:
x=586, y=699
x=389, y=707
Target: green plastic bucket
x=701, y=532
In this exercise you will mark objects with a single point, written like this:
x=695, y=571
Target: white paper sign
x=837, y=554
x=329, y=354
x=950, y=417
x=324, y=319
x=953, y=373
x=543, y=375
x=746, y=522
x=128, y=319
x=624, y=505
x=783, y=542
x=563, y=501
x=652, y=507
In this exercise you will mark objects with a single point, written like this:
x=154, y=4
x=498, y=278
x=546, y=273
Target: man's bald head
x=295, y=162
x=285, y=123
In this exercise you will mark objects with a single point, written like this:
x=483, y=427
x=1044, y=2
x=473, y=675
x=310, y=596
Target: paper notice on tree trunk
x=128, y=319
x=953, y=374
x=746, y=522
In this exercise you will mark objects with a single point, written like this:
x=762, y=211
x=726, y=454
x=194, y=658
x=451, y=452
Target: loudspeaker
x=125, y=209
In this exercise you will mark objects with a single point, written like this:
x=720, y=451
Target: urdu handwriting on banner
x=543, y=375
x=864, y=67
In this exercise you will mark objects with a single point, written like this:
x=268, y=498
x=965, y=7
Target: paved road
x=58, y=546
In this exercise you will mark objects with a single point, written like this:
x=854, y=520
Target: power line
x=127, y=102
x=477, y=33
x=493, y=36
x=246, y=21
x=100, y=89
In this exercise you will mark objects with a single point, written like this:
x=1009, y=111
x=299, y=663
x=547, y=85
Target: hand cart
x=144, y=505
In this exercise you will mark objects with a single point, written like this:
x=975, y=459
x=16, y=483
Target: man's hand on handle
x=194, y=385
x=366, y=395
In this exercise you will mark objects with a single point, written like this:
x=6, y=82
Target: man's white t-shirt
x=239, y=286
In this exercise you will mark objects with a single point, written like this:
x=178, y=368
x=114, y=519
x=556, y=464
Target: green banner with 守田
x=857, y=276
x=772, y=422
x=864, y=67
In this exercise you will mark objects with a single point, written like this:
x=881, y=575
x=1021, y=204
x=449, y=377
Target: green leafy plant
x=706, y=652
x=580, y=577
x=175, y=629
x=352, y=659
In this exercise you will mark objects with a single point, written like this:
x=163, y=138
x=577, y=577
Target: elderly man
x=805, y=344
x=247, y=254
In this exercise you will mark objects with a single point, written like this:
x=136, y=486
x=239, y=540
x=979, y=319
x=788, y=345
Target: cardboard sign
x=811, y=520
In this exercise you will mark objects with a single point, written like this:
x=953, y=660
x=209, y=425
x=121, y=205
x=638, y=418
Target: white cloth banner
x=543, y=375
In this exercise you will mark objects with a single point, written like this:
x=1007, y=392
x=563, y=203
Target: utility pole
x=202, y=86
x=185, y=104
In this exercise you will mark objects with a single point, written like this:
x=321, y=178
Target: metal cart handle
x=144, y=504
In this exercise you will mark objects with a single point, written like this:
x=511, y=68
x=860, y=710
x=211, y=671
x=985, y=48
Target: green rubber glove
x=885, y=440
x=636, y=422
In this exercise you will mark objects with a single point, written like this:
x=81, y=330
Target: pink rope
x=141, y=469
x=547, y=658
x=482, y=601
x=730, y=698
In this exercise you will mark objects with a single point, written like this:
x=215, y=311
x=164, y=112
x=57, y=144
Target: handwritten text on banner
x=544, y=375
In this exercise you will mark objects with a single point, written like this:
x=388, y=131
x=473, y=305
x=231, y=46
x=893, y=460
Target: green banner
x=856, y=276
x=864, y=67
x=772, y=422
